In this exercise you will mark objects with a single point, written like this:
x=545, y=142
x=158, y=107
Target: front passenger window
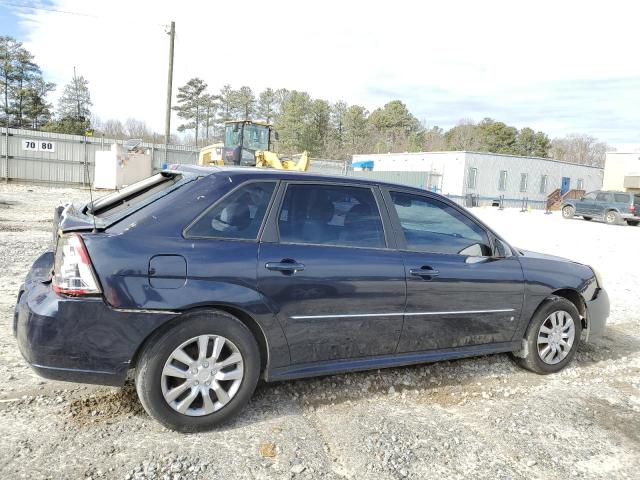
x=430, y=225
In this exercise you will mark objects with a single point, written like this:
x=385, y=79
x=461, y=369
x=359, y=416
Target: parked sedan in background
x=203, y=280
x=615, y=208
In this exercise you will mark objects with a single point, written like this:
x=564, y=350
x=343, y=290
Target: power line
x=67, y=12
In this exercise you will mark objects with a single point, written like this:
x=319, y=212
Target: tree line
x=327, y=130
x=338, y=130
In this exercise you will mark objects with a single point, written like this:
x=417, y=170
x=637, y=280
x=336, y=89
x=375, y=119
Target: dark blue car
x=204, y=280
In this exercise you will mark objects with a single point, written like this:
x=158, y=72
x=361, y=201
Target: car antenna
x=88, y=178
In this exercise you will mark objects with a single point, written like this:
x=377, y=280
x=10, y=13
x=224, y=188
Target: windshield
x=256, y=137
x=231, y=137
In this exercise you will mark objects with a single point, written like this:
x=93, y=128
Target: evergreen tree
x=191, y=97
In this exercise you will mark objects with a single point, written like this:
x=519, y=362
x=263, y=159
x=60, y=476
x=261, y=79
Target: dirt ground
x=472, y=418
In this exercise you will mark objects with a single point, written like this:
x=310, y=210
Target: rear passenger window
x=621, y=198
x=237, y=216
x=433, y=226
x=330, y=215
x=602, y=197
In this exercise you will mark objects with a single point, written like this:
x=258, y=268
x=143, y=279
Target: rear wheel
x=568, y=211
x=633, y=223
x=199, y=373
x=613, y=218
x=552, y=337
x=588, y=219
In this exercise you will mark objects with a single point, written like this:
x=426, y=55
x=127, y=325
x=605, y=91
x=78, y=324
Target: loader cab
x=242, y=139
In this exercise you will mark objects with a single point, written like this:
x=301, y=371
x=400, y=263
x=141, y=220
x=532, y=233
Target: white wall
x=489, y=166
x=619, y=165
x=117, y=168
x=454, y=168
x=449, y=165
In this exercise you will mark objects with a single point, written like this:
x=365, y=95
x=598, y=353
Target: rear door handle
x=284, y=266
x=424, y=272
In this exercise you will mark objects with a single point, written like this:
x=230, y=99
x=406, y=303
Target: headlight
x=598, y=276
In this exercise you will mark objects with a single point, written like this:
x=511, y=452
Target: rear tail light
x=632, y=209
x=72, y=270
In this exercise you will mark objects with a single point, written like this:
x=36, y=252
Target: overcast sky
x=557, y=66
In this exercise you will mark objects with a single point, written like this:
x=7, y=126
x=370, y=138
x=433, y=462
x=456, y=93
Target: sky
x=557, y=66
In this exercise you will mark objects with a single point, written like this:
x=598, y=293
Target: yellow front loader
x=271, y=160
x=249, y=143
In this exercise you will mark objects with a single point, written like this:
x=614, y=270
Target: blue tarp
x=365, y=164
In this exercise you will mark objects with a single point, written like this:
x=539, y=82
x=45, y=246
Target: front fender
x=544, y=276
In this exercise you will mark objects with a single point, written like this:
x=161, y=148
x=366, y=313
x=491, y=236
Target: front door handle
x=285, y=266
x=425, y=272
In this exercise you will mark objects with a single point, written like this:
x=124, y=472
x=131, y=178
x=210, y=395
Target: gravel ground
x=481, y=418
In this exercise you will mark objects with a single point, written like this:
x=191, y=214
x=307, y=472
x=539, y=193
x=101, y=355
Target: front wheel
x=199, y=373
x=568, y=211
x=552, y=337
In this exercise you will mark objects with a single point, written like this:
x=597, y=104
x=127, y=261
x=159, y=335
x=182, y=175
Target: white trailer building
x=488, y=176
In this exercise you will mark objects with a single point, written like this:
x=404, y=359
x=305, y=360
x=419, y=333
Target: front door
x=458, y=293
x=565, y=186
x=337, y=290
x=586, y=204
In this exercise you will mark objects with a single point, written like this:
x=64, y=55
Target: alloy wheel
x=555, y=337
x=202, y=375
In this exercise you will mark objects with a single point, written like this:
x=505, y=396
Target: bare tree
x=579, y=148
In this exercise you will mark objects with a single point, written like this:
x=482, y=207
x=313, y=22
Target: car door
x=585, y=204
x=602, y=201
x=459, y=293
x=328, y=270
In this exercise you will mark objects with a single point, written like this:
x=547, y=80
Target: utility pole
x=75, y=86
x=167, y=118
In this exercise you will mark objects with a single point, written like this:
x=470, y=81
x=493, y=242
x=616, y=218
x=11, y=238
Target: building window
x=543, y=184
x=523, y=182
x=580, y=185
x=502, y=184
x=471, y=178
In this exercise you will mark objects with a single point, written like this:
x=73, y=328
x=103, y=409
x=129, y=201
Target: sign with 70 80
x=38, y=146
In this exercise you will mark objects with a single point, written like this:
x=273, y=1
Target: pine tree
x=190, y=106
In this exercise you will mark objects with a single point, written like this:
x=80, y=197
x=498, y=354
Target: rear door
x=458, y=293
x=328, y=267
x=622, y=202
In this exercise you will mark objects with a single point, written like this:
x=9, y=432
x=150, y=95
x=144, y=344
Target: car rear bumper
x=597, y=313
x=77, y=339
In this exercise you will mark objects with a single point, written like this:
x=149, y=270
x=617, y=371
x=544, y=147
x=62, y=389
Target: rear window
x=238, y=216
x=132, y=195
x=621, y=198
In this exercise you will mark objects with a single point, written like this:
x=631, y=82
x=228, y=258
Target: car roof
x=272, y=173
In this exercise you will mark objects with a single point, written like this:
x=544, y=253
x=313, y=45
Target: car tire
x=161, y=375
x=588, y=219
x=633, y=223
x=613, y=218
x=542, y=333
x=568, y=211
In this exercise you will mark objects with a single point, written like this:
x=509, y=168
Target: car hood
x=544, y=256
